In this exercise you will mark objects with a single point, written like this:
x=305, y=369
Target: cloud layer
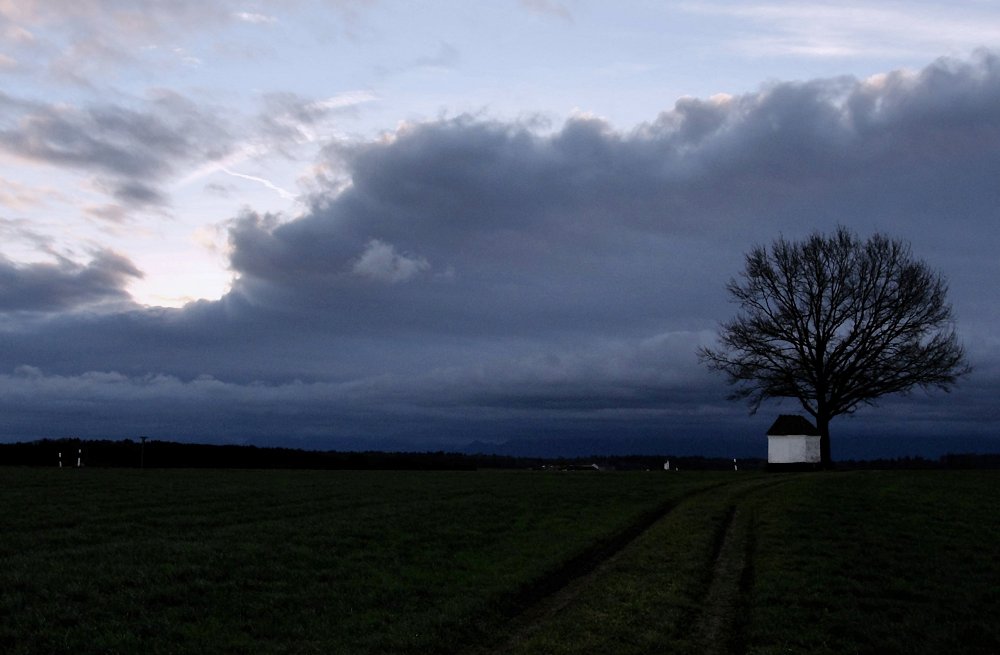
x=65, y=285
x=469, y=277
x=134, y=148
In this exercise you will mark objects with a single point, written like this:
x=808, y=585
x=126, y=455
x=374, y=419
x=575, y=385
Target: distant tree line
x=170, y=454
x=128, y=453
x=949, y=461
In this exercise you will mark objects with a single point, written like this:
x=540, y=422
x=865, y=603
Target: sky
x=378, y=224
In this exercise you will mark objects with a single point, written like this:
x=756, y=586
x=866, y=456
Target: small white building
x=792, y=440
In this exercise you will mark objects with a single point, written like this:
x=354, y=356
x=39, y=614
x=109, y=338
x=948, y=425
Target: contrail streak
x=268, y=183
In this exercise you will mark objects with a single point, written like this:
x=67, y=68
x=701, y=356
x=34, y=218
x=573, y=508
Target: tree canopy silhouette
x=836, y=322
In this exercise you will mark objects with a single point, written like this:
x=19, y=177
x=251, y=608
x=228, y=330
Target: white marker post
x=735, y=467
x=60, y=460
x=79, y=458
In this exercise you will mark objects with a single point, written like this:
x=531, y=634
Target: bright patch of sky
x=145, y=128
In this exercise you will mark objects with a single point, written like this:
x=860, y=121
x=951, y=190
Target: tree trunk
x=823, y=427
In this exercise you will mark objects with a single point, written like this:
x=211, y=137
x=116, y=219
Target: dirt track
x=716, y=626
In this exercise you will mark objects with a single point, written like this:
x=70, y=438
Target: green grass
x=864, y=562
x=878, y=563
x=120, y=561
x=647, y=599
x=125, y=561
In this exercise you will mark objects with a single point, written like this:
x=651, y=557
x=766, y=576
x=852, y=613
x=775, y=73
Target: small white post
x=60, y=460
x=79, y=458
x=735, y=467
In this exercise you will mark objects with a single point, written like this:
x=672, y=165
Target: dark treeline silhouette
x=129, y=453
x=170, y=454
x=949, y=461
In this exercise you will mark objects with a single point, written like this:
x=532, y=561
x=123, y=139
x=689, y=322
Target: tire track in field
x=716, y=628
x=718, y=624
x=532, y=606
x=529, y=608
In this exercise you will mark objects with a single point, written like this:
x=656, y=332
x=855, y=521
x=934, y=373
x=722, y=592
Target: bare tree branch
x=836, y=323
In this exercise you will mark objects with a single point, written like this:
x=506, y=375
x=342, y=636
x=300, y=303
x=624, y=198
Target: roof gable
x=788, y=424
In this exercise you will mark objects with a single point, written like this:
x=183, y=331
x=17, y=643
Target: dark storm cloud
x=65, y=285
x=109, y=138
x=508, y=231
x=131, y=150
x=467, y=277
x=134, y=149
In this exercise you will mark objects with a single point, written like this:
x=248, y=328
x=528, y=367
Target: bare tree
x=836, y=322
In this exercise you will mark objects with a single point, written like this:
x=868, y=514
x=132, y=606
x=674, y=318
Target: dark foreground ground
x=207, y=561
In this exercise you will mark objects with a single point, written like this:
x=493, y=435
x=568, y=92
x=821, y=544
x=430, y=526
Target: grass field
x=166, y=561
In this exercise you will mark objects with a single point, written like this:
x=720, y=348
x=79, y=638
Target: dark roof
x=792, y=424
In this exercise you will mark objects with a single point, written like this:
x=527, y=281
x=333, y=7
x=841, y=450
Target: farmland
x=183, y=561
